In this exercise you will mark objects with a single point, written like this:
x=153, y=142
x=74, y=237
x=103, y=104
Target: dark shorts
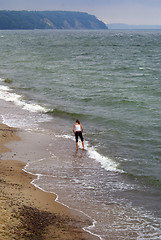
x=78, y=134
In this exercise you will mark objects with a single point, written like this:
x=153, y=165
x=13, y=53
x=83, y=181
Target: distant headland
x=48, y=20
x=121, y=26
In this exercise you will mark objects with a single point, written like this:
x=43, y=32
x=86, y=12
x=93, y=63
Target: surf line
x=38, y=175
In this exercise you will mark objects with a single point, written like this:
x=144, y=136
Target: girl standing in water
x=78, y=130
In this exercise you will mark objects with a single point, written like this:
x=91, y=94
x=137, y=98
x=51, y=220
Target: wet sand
x=26, y=211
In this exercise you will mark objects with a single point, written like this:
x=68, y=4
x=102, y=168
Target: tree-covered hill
x=49, y=20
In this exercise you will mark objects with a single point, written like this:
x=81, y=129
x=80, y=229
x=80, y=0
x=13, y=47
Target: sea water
x=110, y=81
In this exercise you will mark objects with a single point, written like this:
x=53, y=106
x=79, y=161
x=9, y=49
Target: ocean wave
x=62, y=113
x=107, y=163
x=7, y=94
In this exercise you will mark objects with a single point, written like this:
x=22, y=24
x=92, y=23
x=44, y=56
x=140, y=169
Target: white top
x=78, y=128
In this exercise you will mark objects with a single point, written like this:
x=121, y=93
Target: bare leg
x=83, y=144
x=77, y=145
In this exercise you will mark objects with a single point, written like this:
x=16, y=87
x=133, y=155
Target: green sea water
x=111, y=81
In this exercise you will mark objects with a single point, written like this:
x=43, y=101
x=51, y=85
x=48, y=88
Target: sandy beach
x=26, y=211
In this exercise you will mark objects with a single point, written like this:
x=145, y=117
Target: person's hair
x=77, y=121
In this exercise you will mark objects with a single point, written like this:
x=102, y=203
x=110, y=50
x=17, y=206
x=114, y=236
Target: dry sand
x=29, y=213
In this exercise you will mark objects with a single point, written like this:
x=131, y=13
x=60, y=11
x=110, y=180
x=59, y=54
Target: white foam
x=9, y=96
x=65, y=136
x=141, y=68
x=107, y=163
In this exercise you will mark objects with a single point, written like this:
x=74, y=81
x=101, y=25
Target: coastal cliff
x=49, y=20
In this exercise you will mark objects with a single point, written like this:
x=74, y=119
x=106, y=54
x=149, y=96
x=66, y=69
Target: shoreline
x=28, y=212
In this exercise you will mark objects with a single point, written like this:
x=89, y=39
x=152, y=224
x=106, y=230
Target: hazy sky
x=110, y=11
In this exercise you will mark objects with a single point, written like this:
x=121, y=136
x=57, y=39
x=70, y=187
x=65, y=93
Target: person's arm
x=81, y=127
x=74, y=129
